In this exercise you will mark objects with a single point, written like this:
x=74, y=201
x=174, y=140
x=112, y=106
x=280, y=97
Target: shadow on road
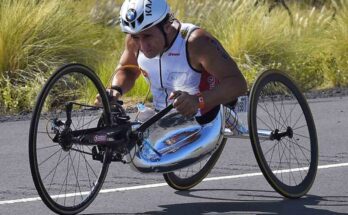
x=266, y=202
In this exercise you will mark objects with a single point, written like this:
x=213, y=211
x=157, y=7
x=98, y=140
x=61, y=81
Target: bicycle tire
x=177, y=182
x=46, y=185
x=272, y=89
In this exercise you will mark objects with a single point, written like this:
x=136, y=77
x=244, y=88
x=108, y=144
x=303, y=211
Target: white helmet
x=138, y=15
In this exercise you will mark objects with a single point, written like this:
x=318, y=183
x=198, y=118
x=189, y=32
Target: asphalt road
x=243, y=191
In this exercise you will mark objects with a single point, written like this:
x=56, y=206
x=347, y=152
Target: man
x=183, y=63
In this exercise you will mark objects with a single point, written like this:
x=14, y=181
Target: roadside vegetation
x=309, y=41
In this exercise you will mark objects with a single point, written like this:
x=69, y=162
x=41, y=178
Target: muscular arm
x=126, y=77
x=206, y=53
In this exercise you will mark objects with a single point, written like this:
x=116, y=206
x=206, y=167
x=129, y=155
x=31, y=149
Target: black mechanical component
x=68, y=108
x=58, y=123
x=119, y=115
x=65, y=139
x=97, y=153
x=275, y=135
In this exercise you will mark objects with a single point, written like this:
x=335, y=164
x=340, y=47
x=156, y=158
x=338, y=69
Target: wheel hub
x=276, y=135
x=65, y=139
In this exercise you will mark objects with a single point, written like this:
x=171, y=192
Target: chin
x=150, y=55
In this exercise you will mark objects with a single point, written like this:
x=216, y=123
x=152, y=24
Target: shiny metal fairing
x=175, y=142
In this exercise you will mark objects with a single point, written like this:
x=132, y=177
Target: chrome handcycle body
x=72, y=142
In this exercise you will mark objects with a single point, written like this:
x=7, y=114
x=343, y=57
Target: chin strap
x=166, y=43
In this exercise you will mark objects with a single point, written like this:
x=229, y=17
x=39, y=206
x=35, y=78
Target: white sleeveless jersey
x=171, y=71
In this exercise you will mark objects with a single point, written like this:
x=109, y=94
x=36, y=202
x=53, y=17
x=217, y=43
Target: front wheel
x=283, y=134
x=66, y=175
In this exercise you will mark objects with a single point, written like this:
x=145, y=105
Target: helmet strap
x=161, y=27
x=166, y=43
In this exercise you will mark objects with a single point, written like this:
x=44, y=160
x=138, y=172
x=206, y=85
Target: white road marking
x=5, y=202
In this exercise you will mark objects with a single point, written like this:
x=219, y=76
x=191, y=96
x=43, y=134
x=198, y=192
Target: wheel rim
x=67, y=176
x=189, y=177
x=289, y=157
x=191, y=171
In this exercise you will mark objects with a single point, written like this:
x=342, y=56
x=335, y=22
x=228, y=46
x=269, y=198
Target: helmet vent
x=141, y=18
x=133, y=24
x=125, y=22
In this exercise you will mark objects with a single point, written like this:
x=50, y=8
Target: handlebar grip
x=110, y=97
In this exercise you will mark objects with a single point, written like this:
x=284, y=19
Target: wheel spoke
x=302, y=126
x=265, y=123
x=294, y=156
x=298, y=145
x=47, y=147
x=55, y=169
x=76, y=175
x=88, y=123
x=301, y=135
x=302, y=151
x=56, y=166
x=273, y=148
x=49, y=157
x=276, y=126
x=280, y=116
x=298, y=119
x=268, y=113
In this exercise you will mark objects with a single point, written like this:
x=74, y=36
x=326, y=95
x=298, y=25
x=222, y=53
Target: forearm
x=125, y=79
x=228, y=90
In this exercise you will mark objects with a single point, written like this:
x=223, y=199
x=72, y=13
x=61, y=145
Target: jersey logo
x=184, y=33
x=100, y=138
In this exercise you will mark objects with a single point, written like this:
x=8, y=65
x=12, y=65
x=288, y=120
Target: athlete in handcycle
x=195, y=86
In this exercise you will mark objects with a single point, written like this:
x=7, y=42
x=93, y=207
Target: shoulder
x=199, y=37
x=201, y=44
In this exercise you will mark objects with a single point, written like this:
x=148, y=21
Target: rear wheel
x=66, y=176
x=288, y=158
x=189, y=177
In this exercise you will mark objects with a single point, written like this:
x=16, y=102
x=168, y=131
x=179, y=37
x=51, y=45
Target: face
x=150, y=41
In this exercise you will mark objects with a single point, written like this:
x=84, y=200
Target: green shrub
x=337, y=46
x=38, y=37
x=259, y=39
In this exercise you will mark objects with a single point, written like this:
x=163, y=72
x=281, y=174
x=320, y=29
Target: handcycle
x=72, y=142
